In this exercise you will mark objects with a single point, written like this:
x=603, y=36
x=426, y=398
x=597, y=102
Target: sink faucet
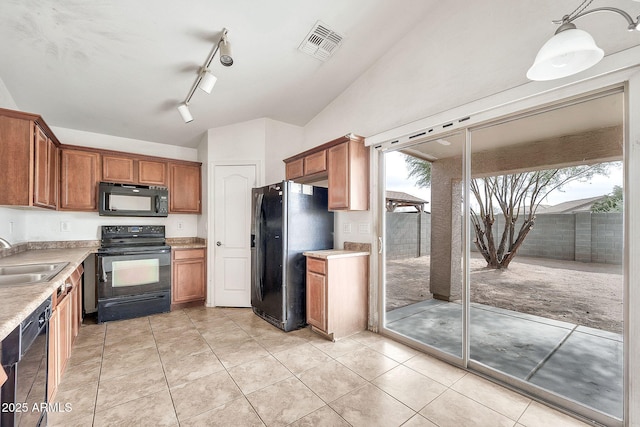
x=4, y=244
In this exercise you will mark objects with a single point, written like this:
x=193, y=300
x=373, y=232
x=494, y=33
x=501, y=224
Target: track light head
x=225, y=51
x=183, y=109
x=207, y=80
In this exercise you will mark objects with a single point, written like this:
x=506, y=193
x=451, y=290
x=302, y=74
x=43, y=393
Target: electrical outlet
x=10, y=227
x=180, y=225
x=346, y=227
x=64, y=226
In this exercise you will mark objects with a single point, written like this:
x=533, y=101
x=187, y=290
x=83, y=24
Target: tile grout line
x=164, y=372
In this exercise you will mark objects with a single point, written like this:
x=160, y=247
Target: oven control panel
x=110, y=231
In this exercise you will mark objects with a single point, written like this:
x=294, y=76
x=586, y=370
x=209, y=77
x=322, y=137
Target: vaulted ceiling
x=122, y=67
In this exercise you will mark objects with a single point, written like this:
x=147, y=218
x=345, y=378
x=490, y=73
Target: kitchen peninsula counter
x=18, y=301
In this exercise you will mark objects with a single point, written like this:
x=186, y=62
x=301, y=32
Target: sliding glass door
x=533, y=294
x=423, y=257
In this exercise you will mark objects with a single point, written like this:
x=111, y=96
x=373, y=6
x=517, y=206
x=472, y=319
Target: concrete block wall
x=553, y=236
x=408, y=234
x=584, y=236
x=607, y=238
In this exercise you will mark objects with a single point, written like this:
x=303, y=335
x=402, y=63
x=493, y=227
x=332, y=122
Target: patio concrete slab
x=580, y=363
x=437, y=324
x=588, y=369
x=512, y=344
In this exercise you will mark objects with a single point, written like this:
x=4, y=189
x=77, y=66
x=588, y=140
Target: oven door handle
x=102, y=273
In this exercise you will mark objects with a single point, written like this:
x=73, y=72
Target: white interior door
x=232, y=227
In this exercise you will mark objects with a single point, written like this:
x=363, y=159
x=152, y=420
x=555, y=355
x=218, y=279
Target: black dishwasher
x=24, y=358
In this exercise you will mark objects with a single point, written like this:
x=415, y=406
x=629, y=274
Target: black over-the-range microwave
x=132, y=200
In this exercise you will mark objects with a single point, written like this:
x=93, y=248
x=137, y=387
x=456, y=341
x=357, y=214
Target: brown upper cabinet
x=130, y=170
x=79, y=177
x=344, y=162
x=184, y=188
x=36, y=170
x=151, y=172
x=118, y=169
x=28, y=161
x=45, y=191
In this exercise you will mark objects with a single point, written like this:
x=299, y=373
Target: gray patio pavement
x=583, y=364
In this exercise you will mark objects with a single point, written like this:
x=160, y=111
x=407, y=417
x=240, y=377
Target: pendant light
x=571, y=50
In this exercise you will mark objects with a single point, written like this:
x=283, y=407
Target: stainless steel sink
x=31, y=268
x=29, y=273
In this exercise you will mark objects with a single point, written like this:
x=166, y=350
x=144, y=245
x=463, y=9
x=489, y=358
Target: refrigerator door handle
x=259, y=270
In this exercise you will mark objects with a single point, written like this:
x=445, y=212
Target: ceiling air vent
x=321, y=42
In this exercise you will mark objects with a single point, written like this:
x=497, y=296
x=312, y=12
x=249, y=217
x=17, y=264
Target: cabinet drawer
x=315, y=163
x=188, y=253
x=316, y=265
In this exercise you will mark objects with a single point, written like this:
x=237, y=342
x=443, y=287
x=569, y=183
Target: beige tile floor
x=223, y=367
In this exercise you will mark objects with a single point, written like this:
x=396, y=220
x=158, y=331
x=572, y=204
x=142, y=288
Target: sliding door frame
x=629, y=80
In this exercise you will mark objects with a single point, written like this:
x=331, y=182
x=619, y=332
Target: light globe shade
x=207, y=81
x=185, y=113
x=564, y=54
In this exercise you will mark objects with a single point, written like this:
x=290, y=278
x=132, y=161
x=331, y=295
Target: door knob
x=218, y=243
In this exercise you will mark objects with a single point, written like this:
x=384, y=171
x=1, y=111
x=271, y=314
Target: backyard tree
x=611, y=202
x=514, y=196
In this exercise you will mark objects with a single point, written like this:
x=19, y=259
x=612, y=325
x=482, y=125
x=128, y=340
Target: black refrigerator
x=288, y=219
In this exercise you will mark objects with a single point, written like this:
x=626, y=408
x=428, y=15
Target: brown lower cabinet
x=64, y=324
x=189, y=272
x=337, y=294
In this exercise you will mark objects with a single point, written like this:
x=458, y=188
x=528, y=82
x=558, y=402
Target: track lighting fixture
x=205, y=79
x=572, y=50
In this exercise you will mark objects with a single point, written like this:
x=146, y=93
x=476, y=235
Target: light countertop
x=186, y=242
x=334, y=253
x=17, y=302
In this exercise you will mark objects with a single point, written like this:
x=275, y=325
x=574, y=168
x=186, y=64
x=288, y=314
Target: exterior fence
x=584, y=236
x=408, y=234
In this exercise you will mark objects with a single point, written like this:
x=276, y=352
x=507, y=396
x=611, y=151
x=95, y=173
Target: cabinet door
x=45, y=173
x=315, y=163
x=64, y=348
x=16, y=155
x=54, y=345
x=339, y=177
x=54, y=171
x=118, y=169
x=41, y=168
x=294, y=169
x=188, y=281
x=317, y=300
x=152, y=172
x=80, y=175
x=184, y=188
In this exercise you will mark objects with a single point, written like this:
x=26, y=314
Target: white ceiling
x=120, y=67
